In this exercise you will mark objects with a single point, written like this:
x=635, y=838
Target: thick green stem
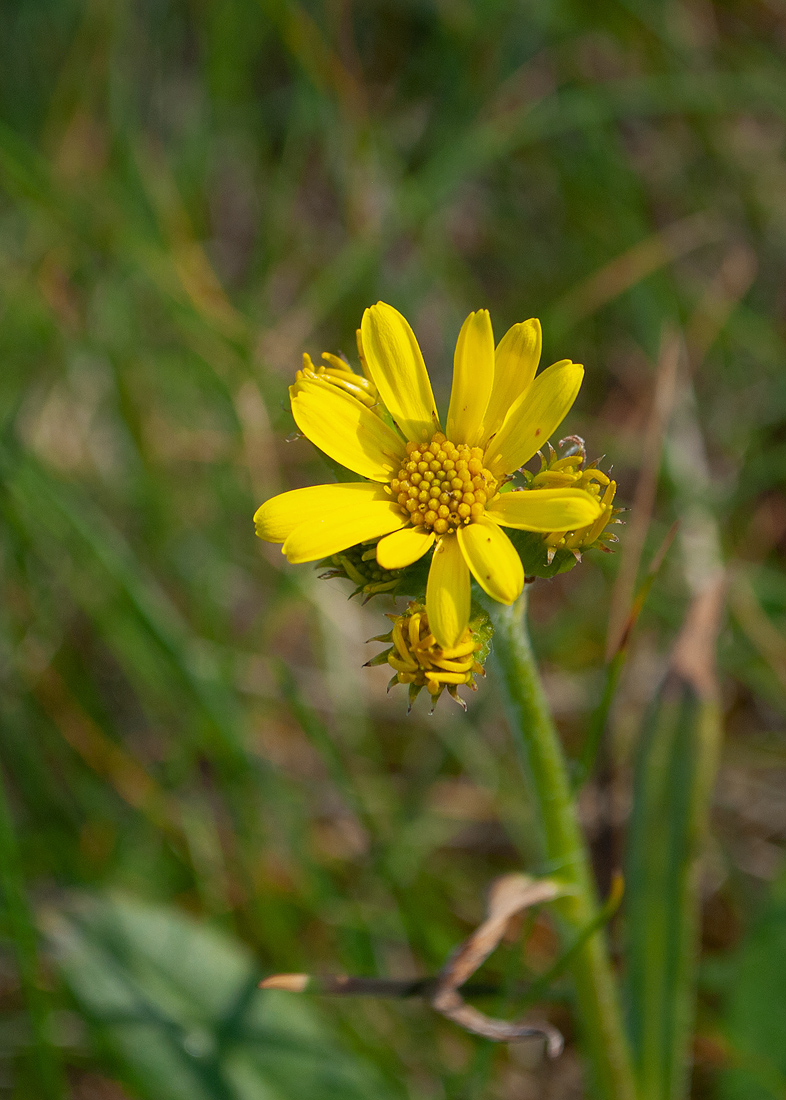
x=543, y=762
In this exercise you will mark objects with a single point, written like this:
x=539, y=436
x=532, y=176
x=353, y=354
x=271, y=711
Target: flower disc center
x=443, y=485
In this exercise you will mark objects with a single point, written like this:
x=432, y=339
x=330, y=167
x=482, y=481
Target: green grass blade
x=755, y=1007
x=600, y=716
x=59, y=518
x=44, y=1066
x=674, y=773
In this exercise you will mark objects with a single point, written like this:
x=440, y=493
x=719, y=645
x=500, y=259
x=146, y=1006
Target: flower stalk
x=543, y=762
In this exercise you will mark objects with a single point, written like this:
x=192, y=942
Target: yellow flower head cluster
x=452, y=496
x=419, y=661
x=572, y=469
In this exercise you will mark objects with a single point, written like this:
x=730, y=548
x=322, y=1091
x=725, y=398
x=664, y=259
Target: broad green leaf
x=178, y=1005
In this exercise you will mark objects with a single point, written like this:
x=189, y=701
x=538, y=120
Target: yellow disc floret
x=443, y=485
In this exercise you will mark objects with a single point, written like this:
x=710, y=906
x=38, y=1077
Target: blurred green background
x=202, y=783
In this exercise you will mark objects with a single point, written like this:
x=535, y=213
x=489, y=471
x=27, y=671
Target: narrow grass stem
x=544, y=765
x=43, y=1065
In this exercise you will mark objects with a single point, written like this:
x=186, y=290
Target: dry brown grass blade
x=722, y=295
x=508, y=896
x=103, y=755
x=763, y=635
x=629, y=268
x=693, y=657
x=638, y=603
x=734, y=276
x=646, y=488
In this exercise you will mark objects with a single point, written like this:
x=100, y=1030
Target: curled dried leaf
x=508, y=896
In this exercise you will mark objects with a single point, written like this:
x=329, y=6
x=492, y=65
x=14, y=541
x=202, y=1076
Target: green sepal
x=482, y=628
x=380, y=659
x=409, y=582
x=412, y=580
x=414, y=691
x=531, y=548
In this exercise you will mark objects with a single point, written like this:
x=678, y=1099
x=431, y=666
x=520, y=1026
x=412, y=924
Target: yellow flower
x=419, y=661
x=427, y=487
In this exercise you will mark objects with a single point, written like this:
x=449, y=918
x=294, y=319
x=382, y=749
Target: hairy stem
x=540, y=753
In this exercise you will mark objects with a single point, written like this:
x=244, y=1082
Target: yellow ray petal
x=323, y=535
x=400, y=549
x=278, y=517
x=473, y=377
x=362, y=355
x=534, y=416
x=494, y=563
x=544, y=509
x=397, y=369
x=516, y=360
x=448, y=593
x=346, y=430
